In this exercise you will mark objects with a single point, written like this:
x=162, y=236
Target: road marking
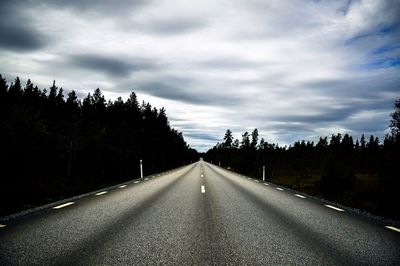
x=136, y=182
x=202, y=175
x=63, y=205
x=300, y=196
x=100, y=193
x=2, y=225
x=249, y=178
x=146, y=179
x=266, y=184
x=122, y=186
x=278, y=188
x=203, y=189
x=256, y=181
x=393, y=228
x=335, y=208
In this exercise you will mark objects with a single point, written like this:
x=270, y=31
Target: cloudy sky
x=295, y=69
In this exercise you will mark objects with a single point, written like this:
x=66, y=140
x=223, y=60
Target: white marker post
x=141, y=169
x=264, y=173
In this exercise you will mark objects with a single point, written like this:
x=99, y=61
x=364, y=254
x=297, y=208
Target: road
x=199, y=214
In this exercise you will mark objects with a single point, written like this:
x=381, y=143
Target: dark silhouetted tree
x=228, y=139
x=245, y=140
x=395, y=121
x=254, y=138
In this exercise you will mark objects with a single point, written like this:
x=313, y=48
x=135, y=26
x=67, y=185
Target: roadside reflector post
x=264, y=173
x=141, y=169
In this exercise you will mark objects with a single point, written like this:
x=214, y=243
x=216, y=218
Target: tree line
x=54, y=145
x=363, y=173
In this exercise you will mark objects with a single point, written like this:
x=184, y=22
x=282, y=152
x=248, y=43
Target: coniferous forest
x=362, y=173
x=54, y=146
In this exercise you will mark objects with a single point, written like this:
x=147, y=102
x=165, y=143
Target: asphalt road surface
x=197, y=215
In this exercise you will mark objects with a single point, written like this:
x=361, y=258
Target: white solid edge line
x=256, y=181
x=300, y=196
x=100, y=193
x=249, y=178
x=146, y=179
x=136, y=182
x=393, y=228
x=278, y=188
x=122, y=186
x=266, y=184
x=203, y=189
x=334, y=208
x=63, y=205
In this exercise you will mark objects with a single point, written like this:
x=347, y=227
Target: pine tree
x=254, y=138
x=228, y=139
x=362, y=142
x=395, y=121
x=245, y=140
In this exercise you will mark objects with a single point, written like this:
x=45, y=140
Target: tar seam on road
x=334, y=208
x=63, y=205
x=100, y=193
x=393, y=228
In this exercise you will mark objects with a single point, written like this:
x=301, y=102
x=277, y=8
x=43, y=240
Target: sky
x=297, y=69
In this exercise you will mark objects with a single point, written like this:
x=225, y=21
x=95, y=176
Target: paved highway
x=200, y=214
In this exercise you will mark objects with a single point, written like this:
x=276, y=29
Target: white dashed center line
x=100, y=193
x=203, y=189
x=278, y=188
x=2, y=225
x=63, y=205
x=334, y=208
x=300, y=196
x=122, y=186
x=393, y=228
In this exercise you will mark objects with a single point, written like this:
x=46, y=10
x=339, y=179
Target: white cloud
x=293, y=69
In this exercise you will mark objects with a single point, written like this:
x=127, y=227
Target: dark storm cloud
x=365, y=87
x=103, y=7
x=112, y=66
x=161, y=90
x=202, y=136
x=16, y=31
x=182, y=92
